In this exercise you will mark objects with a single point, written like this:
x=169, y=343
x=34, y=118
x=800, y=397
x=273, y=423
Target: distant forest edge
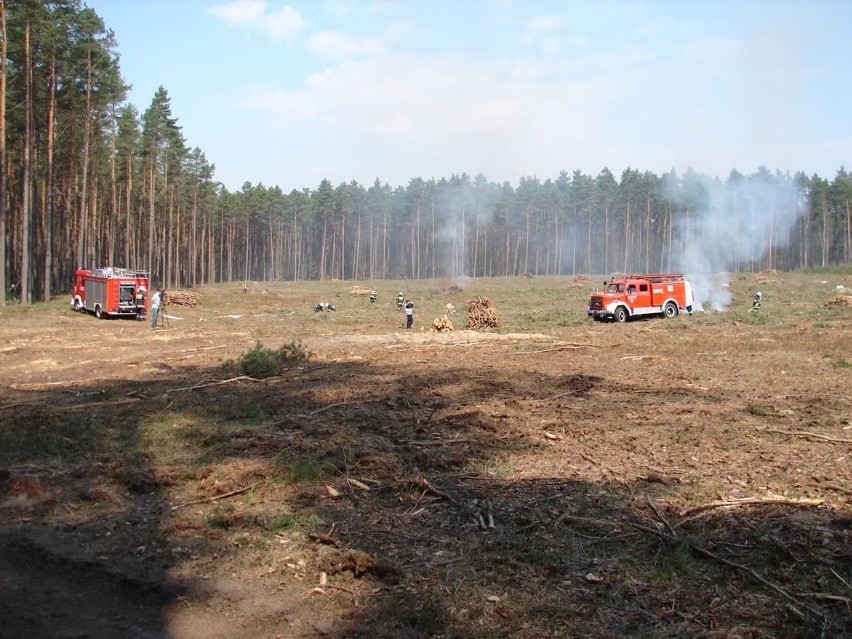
x=87, y=182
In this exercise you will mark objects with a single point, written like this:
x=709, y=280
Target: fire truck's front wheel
x=670, y=310
x=99, y=313
x=620, y=314
x=77, y=305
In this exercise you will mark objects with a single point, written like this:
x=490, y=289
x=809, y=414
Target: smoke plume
x=733, y=226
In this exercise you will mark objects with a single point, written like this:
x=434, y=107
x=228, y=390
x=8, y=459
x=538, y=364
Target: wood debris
x=360, y=291
x=441, y=324
x=839, y=300
x=181, y=298
x=481, y=314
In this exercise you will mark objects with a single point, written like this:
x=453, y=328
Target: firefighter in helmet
x=139, y=298
x=400, y=300
x=373, y=296
x=755, y=303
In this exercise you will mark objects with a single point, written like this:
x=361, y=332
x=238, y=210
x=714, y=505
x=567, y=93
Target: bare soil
x=663, y=478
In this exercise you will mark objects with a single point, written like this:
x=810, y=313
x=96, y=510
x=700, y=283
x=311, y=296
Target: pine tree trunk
x=3, y=153
x=26, y=204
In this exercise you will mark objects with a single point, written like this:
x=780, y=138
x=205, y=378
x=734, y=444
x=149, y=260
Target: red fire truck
x=665, y=294
x=110, y=291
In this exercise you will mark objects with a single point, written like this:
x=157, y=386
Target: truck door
x=642, y=295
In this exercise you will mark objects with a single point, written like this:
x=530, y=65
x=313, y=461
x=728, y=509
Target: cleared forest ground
x=551, y=477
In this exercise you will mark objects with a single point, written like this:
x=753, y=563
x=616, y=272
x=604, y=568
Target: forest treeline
x=88, y=181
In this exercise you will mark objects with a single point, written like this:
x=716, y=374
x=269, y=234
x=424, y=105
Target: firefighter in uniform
x=755, y=303
x=373, y=296
x=140, y=302
x=399, y=301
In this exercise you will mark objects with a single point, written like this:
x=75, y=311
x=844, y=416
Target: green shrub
x=292, y=354
x=261, y=362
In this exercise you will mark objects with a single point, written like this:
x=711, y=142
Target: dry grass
x=149, y=458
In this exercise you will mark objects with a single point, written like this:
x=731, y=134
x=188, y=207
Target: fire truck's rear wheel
x=670, y=310
x=620, y=314
x=99, y=312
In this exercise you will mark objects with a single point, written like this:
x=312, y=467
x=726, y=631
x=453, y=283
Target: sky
x=290, y=93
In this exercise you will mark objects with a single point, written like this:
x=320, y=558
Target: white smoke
x=463, y=228
x=732, y=226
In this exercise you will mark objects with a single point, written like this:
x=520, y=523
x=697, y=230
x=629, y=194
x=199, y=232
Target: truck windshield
x=615, y=288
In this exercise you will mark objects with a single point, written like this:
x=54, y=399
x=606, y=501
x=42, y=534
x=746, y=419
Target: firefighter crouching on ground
x=399, y=301
x=324, y=306
x=755, y=303
x=409, y=313
x=373, y=296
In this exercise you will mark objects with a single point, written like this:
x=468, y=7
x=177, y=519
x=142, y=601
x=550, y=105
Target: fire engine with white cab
x=665, y=294
x=110, y=291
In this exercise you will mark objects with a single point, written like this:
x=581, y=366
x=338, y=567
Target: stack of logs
x=839, y=300
x=442, y=324
x=181, y=298
x=481, y=314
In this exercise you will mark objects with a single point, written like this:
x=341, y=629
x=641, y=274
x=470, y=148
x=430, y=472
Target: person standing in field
x=409, y=313
x=155, y=307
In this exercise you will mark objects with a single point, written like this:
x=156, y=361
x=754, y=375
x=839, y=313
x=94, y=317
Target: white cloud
x=285, y=23
x=338, y=45
x=442, y=115
x=240, y=12
x=287, y=107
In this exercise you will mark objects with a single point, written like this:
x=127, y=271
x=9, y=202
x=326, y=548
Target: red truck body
x=665, y=294
x=110, y=291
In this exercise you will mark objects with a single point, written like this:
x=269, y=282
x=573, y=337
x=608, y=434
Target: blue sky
x=289, y=93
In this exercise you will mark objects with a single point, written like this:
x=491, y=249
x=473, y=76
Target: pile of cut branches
x=839, y=300
x=181, y=298
x=481, y=314
x=442, y=324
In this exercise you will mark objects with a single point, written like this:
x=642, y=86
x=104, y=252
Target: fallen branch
x=672, y=539
x=751, y=501
x=589, y=521
x=424, y=483
x=319, y=410
x=660, y=515
x=114, y=402
x=325, y=539
x=566, y=347
x=209, y=384
x=216, y=498
x=805, y=433
x=19, y=405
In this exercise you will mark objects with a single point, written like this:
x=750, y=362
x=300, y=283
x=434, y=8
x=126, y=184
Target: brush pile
x=181, y=298
x=839, y=300
x=360, y=291
x=481, y=314
x=441, y=324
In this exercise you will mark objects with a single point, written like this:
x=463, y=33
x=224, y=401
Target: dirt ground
x=663, y=478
